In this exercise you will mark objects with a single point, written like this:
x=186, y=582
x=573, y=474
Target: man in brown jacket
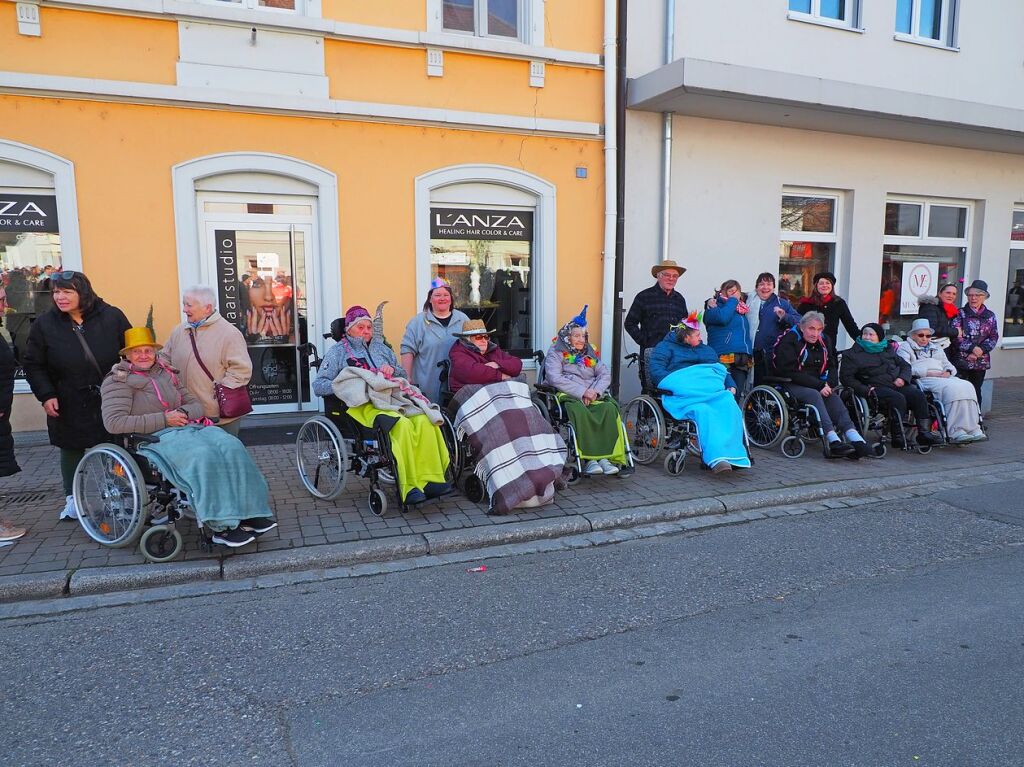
x=221, y=346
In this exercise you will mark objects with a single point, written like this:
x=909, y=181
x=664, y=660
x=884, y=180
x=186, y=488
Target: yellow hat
x=135, y=337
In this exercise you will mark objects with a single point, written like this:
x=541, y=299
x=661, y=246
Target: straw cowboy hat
x=136, y=337
x=667, y=264
x=474, y=328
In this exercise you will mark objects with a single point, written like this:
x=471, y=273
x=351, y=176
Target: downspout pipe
x=610, y=174
x=666, y=134
x=620, y=197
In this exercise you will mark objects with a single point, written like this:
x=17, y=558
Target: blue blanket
x=699, y=395
x=215, y=470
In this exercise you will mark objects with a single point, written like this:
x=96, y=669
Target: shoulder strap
x=195, y=349
x=78, y=333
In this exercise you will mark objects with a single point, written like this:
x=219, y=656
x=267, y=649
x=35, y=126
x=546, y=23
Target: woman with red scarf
x=940, y=310
x=824, y=299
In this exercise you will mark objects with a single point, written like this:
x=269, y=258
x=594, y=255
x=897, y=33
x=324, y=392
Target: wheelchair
x=330, y=446
x=462, y=460
x=123, y=500
x=649, y=428
x=545, y=399
x=871, y=417
x=774, y=417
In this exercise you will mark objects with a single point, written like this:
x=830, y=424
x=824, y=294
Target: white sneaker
x=608, y=467
x=978, y=435
x=592, y=468
x=70, y=510
x=962, y=438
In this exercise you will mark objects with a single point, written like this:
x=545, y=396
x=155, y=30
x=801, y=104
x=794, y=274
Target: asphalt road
x=880, y=635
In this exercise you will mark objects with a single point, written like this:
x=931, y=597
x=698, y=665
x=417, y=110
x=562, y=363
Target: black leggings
x=976, y=377
x=900, y=399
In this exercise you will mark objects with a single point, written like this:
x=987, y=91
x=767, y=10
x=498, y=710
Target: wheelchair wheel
x=675, y=462
x=378, y=502
x=923, y=449
x=474, y=488
x=111, y=496
x=645, y=428
x=542, y=406
x=321, y=458
x=879, y=450
x=765, y=417
x=160, y=543
x=793, y=447
x=451, y=441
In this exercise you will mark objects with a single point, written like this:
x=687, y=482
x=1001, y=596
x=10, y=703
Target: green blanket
x=598, y=429
x=215, y=470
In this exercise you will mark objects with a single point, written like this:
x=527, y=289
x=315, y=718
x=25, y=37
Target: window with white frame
x=808, y=242
x=264, y=5
x=1013, y=318
x=485, y=18
x=931, y=21
x=833, y=12
x=924, y=247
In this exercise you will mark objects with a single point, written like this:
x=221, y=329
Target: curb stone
x=331, y=561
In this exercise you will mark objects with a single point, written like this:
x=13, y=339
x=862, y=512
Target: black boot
x=861, y=449
x=925, y=435
x=838, y=450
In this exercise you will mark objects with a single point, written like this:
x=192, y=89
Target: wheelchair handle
x=631, y=359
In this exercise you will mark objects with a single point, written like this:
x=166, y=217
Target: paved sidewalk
x=33, y=498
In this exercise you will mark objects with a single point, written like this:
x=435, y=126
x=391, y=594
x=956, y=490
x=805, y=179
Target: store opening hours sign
x=920, y=278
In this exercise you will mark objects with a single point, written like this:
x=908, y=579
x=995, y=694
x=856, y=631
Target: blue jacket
x=770, y=326
x=670, y=355
x=728, y=330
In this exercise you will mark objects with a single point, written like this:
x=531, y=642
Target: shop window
x=925, y=246
x=487, y=256
x=29, y=252
x=808, y=242
x=927, y=21
x=277, y=5
x=1013, y=319
x=485, y=18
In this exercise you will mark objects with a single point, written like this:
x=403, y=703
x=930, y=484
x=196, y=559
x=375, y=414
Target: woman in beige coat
x=221, y=346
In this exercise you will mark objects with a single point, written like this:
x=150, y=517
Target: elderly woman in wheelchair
x=365, y=376
x=170, y=460
x=697, y=393
x=880, y=383
x=574, y=391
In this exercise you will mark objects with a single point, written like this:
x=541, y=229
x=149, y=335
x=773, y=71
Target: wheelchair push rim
x=321, y=458
x=765, y=417
x=110, y=495
x=645, y=428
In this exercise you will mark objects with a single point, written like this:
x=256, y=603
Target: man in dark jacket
x=803, y=356
x=653, y=311
x=871, y=367
x=8, y=464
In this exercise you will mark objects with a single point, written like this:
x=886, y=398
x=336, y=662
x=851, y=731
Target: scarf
x=872, y=347
x=949, y=309
x=587, y=356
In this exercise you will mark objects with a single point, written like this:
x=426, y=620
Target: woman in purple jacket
x=573, y=368
x=979, y=334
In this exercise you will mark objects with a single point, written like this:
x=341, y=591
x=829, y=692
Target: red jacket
x=469, y=365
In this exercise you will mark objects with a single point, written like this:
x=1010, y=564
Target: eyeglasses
x=478, y=336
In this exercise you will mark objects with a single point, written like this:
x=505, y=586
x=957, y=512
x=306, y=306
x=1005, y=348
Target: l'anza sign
x=473, y=224
x=28, y=213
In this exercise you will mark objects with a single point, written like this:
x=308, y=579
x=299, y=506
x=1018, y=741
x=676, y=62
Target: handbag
x=232, y=403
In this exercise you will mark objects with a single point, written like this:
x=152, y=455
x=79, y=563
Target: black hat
x=979, y=285
x=825, y=276
x=875, y=327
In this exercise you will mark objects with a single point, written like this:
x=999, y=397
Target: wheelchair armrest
x=775, y=379
x=135, y=440
x=663, y=392
x=545, y=388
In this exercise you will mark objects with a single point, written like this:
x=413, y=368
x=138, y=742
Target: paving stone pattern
x=33, y=498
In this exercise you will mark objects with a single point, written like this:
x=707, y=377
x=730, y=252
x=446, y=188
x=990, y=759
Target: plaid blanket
x=519, y=457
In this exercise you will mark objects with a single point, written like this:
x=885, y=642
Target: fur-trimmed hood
x=933, y=300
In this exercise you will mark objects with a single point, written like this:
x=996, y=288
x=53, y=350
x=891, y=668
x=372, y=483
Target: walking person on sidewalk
x=70, y=348
x=654, y=311
x=219, y=345
x=978, y=334
x=8, y=464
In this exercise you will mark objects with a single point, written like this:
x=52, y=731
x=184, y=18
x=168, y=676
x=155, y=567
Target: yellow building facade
x=300, y=157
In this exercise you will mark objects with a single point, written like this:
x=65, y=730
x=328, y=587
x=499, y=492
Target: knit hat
x=824, y=276
x=875, y=327
x=356, y=313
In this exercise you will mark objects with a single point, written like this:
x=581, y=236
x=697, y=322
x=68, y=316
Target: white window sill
x=1016, y=342
x=925, y=41
x=823, y=22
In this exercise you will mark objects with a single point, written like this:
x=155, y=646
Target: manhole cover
x=20, y=498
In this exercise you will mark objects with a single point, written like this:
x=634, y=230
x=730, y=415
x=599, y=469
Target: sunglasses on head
x=64, y=275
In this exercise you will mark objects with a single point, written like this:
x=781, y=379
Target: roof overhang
x=720, y=91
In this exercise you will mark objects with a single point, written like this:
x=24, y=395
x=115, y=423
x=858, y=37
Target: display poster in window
x=487, y=257
x=920, y=278
x=255, y=294
x=28, y=213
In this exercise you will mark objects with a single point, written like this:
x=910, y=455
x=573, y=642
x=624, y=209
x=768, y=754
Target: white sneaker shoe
x=978, y=436
x=608, y=467
x=70, y=510
x=592, y=468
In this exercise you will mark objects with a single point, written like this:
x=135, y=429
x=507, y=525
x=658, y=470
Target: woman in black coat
x=872, y=367
x=71, y=347
x=824, y=299
x=940, y=310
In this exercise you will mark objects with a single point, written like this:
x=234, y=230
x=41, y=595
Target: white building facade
x=882, y=140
